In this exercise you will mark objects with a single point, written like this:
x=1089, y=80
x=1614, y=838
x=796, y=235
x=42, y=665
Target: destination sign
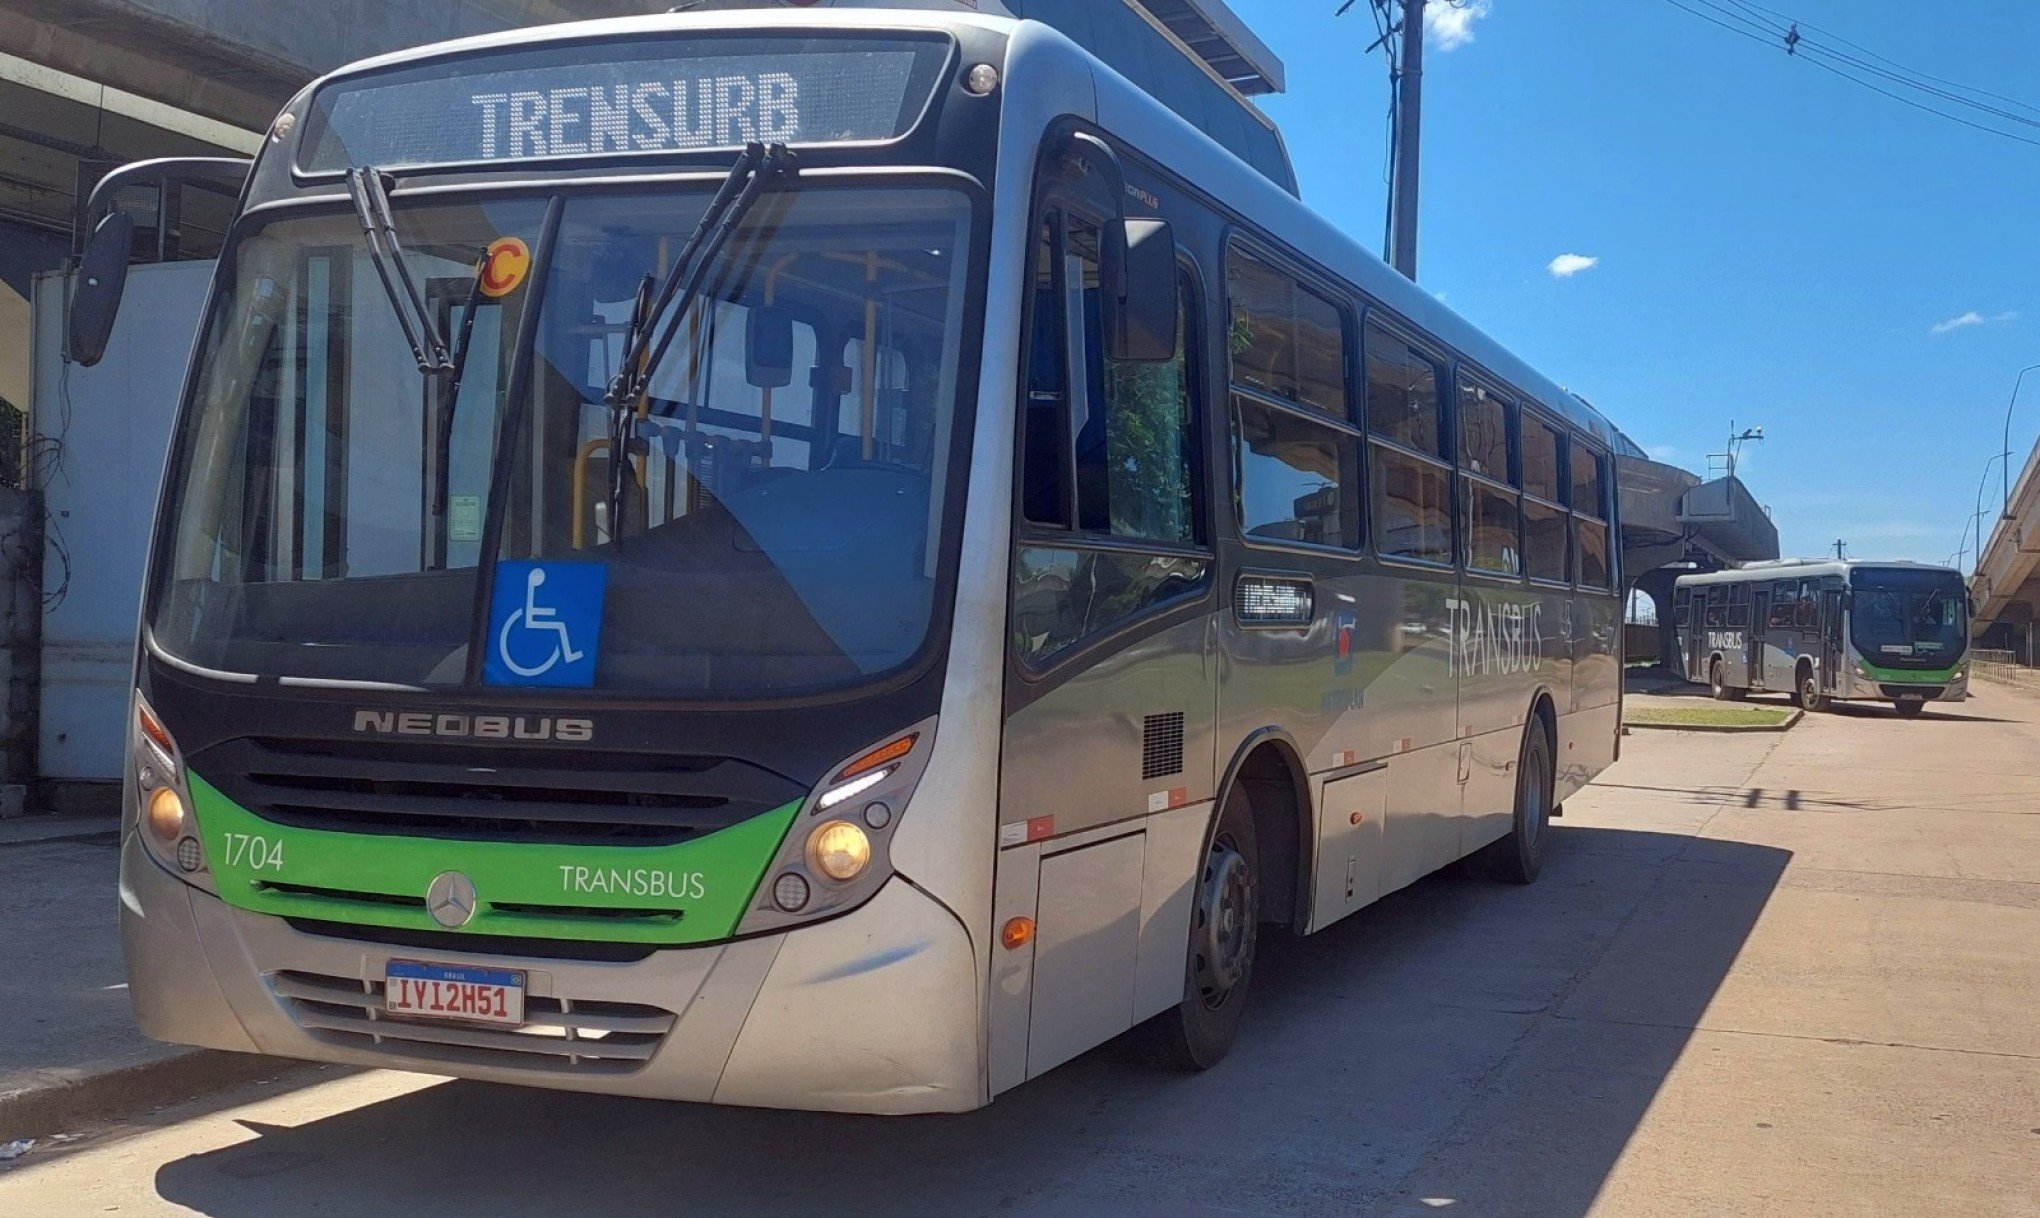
x=608, y=99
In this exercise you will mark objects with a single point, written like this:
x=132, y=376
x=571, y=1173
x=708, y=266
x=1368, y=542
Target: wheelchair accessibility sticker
x=545, y=624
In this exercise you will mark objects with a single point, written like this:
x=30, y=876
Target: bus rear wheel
x=1224, y=930
x=1519, y=857
x=1911, y=708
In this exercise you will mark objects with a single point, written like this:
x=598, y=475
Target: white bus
x=832, y=559
x=1824, y=632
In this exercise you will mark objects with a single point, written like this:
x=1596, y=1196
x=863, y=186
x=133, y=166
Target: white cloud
x=1973, y=318
x=1450, y=22
x=1565, y=266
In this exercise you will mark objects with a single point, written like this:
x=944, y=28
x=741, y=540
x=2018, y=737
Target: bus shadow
x=1488, y=1047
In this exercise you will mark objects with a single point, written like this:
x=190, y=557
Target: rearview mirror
x=1139, y=305
x=768, y=348
x=95, y=297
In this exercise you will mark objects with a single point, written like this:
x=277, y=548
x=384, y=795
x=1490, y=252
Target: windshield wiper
x=757, y=167
x=379, y=229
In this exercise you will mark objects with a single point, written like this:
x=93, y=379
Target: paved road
x=1763, y=974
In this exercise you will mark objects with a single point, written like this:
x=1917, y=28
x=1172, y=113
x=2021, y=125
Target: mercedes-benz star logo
x=451, y=899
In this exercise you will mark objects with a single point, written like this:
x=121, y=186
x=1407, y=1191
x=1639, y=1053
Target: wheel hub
x=1226, y=915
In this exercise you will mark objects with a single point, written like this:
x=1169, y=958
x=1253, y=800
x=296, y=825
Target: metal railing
x=2002, y=666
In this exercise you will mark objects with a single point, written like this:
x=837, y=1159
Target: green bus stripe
x=694, y=892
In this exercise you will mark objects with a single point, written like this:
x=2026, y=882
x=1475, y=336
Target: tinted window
x=1589, y=493
x=1134, y=468
x=1540, y=460
x=1595, y=571
x=1293, y=477
x=1402, y=394
x=1484, y=433
x=1287, y=341
x=1784, y=603
x=1061, y=597
x=1412, y=507
x=1491, y=544
x=1544, y=541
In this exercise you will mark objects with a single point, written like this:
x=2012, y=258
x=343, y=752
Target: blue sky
x=1774, y=245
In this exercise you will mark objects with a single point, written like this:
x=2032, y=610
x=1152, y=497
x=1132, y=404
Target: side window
x=1112, y=451
x=1407, y=446
x=1493, y=506
x=1296, y=470
x=1590, y=517
x=1717, y=606
x=1589, y=486
x=1808, y=615
x=1485, y=432
x=1546, y=531
x=1784, y=604
x=1287, y=341
x=1540, y=461
x=1402, y=395
x=1682, y=606
x=1739, y=604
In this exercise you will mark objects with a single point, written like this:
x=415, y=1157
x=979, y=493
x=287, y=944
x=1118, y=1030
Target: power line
x=1791, y=38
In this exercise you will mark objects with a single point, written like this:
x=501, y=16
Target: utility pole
x=1840, y=556
x=1409, y=121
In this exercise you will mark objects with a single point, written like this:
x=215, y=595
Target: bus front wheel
x=1808, y=694
x=1717, y=682
x=1224, y=929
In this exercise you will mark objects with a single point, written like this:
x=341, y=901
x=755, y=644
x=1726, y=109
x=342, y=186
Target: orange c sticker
x=504, y=267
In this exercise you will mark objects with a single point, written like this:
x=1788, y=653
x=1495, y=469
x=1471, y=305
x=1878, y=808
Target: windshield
x=1910, y=616
x=776, y=520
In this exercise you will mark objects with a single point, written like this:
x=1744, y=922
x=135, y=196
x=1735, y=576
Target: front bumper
x=878, y=1011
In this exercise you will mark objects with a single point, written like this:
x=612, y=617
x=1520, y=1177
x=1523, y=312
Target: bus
x=832, y=559
x=1828, y=631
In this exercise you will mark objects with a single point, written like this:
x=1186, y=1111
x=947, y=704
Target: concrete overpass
x=1673, y=524
x=2006, y=583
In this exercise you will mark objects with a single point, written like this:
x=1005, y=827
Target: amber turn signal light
x=1017, y=933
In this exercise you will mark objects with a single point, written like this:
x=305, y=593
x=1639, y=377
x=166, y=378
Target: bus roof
x=1805, y=568
x=1147, y=124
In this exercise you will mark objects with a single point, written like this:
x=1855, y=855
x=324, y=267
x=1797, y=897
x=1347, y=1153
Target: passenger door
x=1760, y=615
x=1831, y=639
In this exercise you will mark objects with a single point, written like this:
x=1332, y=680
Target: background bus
x=1826, y=631
x=832, y=559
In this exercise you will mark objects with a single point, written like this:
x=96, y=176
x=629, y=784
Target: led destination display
x=596, y=99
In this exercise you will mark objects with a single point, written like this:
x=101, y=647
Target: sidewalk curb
x=1725, y=728
x=60, y=1104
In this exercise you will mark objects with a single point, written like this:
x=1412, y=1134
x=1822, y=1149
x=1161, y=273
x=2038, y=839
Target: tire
x=1911, y=708
x=1717, y=682
x=1219, y=966
x=1806, y=690
x=1519, y=857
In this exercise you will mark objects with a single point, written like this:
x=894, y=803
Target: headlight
x=165, y=814
x=836, y=855
x=162, y=800
x=840, y=850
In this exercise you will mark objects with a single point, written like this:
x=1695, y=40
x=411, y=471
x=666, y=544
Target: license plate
x=412, y=990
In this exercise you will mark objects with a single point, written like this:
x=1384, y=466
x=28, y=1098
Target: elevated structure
x=1674, y=524
x=2006, y=583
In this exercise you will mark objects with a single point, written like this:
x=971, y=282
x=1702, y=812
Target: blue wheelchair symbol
x=545, y=624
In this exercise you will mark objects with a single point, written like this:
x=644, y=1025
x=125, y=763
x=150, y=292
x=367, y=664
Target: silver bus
x=1823, y=632
x=832, y=558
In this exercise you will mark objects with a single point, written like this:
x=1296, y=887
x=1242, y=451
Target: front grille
x=560, y=1034
x=431, y=941
x=479, y=793
x=1929, y=692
